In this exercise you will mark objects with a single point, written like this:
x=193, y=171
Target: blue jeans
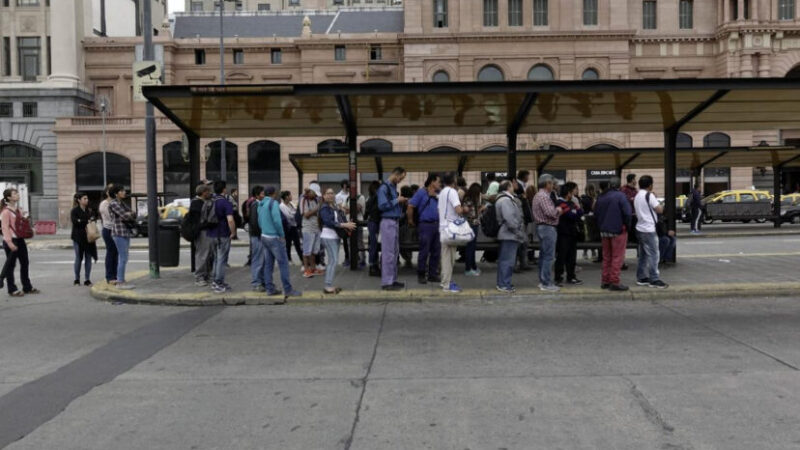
x=505, y=263
x=111, y=255
x=390, y=249
x=222, y=248
x=469, y=251
x=547, y=252
x=666, y=248
x=256, y=261
x=648, y=256
x=82, y=257
x=372, y=229
x=122, y=244
x=275, y=250
x=332, y=250
x=430, y=248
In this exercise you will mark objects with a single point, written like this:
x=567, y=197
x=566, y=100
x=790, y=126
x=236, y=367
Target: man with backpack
x=194, y=228
x=273, y=239
x=256, y=258
x=221, y=234
x=423, y=213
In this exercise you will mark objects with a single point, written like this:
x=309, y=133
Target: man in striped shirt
x=546, y=215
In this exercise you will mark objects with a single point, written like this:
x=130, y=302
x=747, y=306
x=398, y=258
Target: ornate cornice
x=517, y=36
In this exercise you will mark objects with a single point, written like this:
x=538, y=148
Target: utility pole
x=150, y=138
x=223, y=160
x=103, y=108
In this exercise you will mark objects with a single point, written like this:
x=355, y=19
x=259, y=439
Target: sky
x=175, y=5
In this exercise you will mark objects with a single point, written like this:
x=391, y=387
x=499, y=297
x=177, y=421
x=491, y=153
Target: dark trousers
x=111, y=255
x=20, y=255
x=697, y=219
x=430, y=249
x=346, y=244
x=293, y=238
x=566, y=255
x=469, y=251
x=373, y=228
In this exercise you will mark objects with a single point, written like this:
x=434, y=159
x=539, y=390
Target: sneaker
x=505, y=290
x=558, y=282
x=643, y=282
x=125, y=286
x=392, y=287
x=658, y=284
x=471, y=273
x=605, y=286
x=76, y=283
x=201, y=283
x=219, y=289
x=293, y=294
x=259, y=288
x=399, y=284
x=618, y=287
x=422, y=279
x=453, y=288
x=308, y=274
x=550, y=288
x=87, y=283
x=273, y=293
x=575, y=281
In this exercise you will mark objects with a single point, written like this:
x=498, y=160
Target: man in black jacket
x=202, y=243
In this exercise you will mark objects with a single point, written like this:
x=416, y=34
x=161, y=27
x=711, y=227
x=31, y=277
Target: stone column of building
x=66, y=42
x=740, y=9
x=764, y=69
x=13, y=41
x=746, y=65
x=43, y=65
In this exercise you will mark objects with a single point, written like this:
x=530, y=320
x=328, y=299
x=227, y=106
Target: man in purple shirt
x=221, y=236
x=425, y=205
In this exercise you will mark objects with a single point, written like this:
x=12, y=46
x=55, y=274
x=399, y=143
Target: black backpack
x=190, y=228
x=255, y=228
x=489, y=223
x=208, y=215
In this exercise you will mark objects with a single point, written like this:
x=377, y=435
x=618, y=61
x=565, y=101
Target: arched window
x=540, y=72
x=716, y=139
x=373, y=147
x=21, y=163
x=89, y=174
x=176, y=172
x=441, y=77
x=331, y=180
x=444, y=149
x=213, y=164
x=264, y=164
x=490, y=73
x=590, y=74
x=684, y=141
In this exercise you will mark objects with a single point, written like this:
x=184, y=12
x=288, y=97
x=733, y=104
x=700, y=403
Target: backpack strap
x=652, y=213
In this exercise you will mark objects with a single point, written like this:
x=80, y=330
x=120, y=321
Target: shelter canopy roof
x=387, y=109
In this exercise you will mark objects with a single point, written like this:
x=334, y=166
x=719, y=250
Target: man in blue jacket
x=613, y=213
x=389, y=202
x=273, y=238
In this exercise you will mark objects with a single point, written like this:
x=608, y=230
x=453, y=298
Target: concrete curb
x=723, y=234
x=108, y=293
x=67, y=245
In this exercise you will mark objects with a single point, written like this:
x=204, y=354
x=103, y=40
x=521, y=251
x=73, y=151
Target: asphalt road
x=679, y=374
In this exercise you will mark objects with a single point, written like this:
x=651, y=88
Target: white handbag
x=458, y=231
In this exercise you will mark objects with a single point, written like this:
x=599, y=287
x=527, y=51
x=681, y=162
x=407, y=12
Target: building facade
x=432, y=40
x=196, y=6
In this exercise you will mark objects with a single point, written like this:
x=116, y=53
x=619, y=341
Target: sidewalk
x=694, y=276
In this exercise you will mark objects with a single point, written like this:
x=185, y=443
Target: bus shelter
x=507, y=108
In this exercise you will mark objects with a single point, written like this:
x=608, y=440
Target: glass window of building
x=27, y=2
x=264, y=163
x=540, y=13
x=375, y=53
x=199, y=56
x=197, y=6
x=30, y=109
x=6, y=56
x=275, y=56
x=590, y=12
x=786, y=9
x=264, y=7
x=29, y=50
x=686, y=14
x=22, y=163
x=649, y=19
x=490, y=13
x=239, y=5
x=590, y=74
x=515, y=13
x=490, y=73
x=540, y=72
x=294, y=2
x=6, y=109
x=441, y=77
x=238, y=56
x=340, y=53
x=439, y=13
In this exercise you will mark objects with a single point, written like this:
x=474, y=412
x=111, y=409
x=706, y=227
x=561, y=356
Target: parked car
x=174, y=210
x=790, y=208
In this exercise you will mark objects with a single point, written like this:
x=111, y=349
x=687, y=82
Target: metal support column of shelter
x=343, y=102
x=776, y=190
x=150, y=141
x=194, y=176
x=513, y=131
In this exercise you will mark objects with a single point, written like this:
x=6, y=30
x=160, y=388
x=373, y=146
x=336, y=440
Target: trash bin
x=169, y=243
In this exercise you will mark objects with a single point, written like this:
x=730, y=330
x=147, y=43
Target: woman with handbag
x=84, y=235
x=334, y=228
x=122, y=220
x=16, y=228
x=453, y=230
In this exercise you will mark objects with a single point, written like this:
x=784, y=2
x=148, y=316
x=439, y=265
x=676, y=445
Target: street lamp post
x=223, y=160
x=103, y=115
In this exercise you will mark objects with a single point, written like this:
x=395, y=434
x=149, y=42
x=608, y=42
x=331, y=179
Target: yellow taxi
x=738, y=195
x=790, y=199
x=172, y=211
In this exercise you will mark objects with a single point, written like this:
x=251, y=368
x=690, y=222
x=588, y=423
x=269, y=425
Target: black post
x=776, y=201
x=670, y=173
x=150, y=139
x=353, y=171
x=194, y=176
x=512, y=155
